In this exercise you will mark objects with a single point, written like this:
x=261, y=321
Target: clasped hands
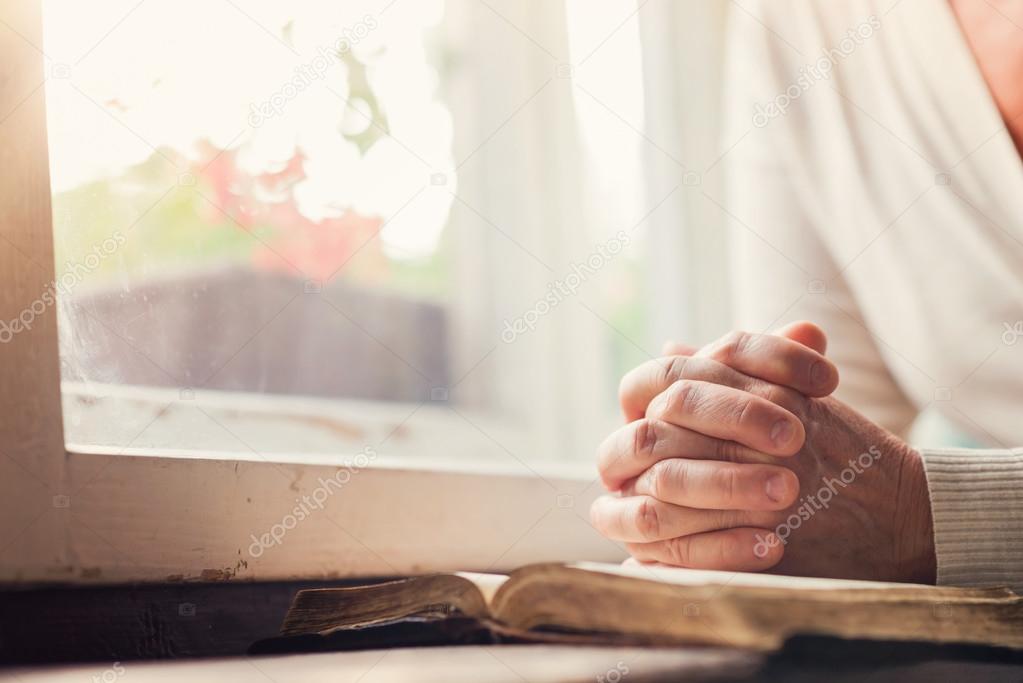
x=736, y=457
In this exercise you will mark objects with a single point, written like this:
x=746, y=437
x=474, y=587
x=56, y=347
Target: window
x=366, y=227
x=408, y=241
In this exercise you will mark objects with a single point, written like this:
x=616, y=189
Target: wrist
x=913, y=529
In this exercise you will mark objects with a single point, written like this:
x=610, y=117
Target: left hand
x=862, y=509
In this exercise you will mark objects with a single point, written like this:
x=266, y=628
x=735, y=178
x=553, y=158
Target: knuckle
x=787, y=398
x=647, y=520
x=644, y=439
x=655, y=479
x=664, y=475
x=726, y=483
x=726, y=519
x=680, y=550
x=683, y=397
x=744, y=410
x=731, y=346
x=772, y=392
x=728, y=451
x=672, y=369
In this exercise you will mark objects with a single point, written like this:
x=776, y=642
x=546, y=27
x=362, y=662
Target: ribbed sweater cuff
x=977, y=507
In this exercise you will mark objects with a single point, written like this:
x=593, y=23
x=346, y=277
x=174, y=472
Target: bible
x=651, y=605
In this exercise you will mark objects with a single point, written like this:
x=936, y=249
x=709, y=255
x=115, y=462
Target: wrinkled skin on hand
x=737, y=457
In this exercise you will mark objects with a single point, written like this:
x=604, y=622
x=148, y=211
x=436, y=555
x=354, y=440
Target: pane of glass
x=408, y=226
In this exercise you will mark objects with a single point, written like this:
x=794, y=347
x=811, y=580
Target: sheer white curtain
x=617, y=128
x=683, y=54
x=520, y=222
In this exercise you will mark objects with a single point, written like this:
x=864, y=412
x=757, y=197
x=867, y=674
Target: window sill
x=151, y=513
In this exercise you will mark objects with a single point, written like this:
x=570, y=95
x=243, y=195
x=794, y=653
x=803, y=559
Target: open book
x=658, y=605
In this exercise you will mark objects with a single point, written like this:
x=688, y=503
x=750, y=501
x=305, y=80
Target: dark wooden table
x=518, y=664
x=201, y=632
x=469, y=664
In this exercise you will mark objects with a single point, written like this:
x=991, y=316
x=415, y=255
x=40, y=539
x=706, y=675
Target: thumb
x=806, y=333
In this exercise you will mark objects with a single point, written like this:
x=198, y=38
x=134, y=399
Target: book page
x=701, y=577
x=486, y=583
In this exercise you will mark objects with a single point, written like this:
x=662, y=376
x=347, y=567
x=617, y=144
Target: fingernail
x=777, y=488
x=782, y=433
x=820, y=374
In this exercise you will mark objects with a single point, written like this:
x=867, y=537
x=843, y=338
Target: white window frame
x=77, y=514
x=88, y=515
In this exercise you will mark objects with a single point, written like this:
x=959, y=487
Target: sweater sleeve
x=977, y=508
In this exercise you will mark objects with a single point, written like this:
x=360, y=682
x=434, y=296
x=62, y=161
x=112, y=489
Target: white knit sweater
x=873, y=188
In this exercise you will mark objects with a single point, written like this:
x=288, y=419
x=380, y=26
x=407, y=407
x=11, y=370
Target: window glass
x=311, y=226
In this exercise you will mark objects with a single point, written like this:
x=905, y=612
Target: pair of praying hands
x=736, y=457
